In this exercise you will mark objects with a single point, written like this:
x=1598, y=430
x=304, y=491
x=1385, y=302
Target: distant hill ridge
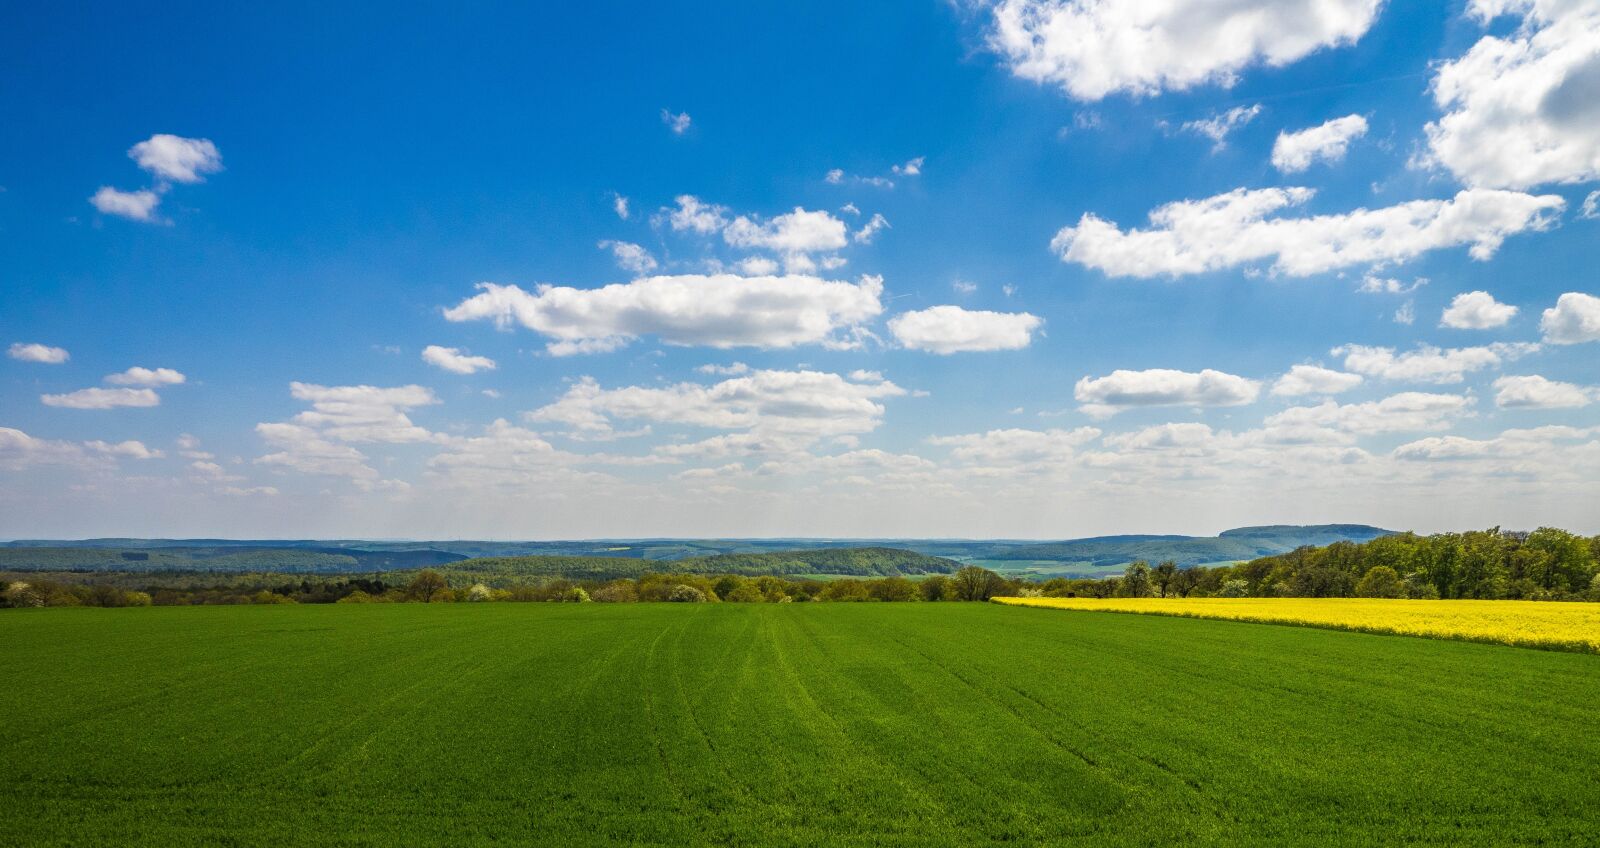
x=356, y=556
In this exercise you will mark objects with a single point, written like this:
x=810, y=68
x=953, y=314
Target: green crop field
x=794, y=724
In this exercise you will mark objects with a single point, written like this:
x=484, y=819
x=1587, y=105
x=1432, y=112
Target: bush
x=356, y=597
x=1234, y=589
x=576, y=595
x=479, y=593
x=682, y=594
x=616, y=592
x=1381, y=582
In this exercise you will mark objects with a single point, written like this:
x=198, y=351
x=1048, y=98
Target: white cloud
x=1105, y=396
x=1591, y=206
x=1523, y=110
x=1573, y=320
x=19, y=450
x=758, y=266
x=678, y=122
x=1373, y=284
x=1017, y=447
x=951, y=329
x=870, y=229
x=721, y=310
x=1233, y=229
x=35, y=352
x=1531, y=452
x=630, y=256
x=455, y=361
x=1093, y=48
x=962, y=287
x=305, y=450
x=363, y=413
x=1218, y=127
x=1477, y=310
x=1404, y=412
x=177, y=159
x=834, y=176
x=804, y=405
x=1314, y=380
x=912, y=167
x=137, y=376
x=1296, y=151
x=130, y=449
x=800, y=231
x=619, y=205
x=98, y=398
x=730, y=370
x=1429, y=364
x=1406, y=314
x=1535, y=392
x=135, y=205
x=695, y=215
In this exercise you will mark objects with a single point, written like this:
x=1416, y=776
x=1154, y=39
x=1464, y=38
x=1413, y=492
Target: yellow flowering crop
x=1533, y=624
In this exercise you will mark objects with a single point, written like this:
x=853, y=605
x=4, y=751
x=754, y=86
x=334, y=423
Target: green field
x=793, y=724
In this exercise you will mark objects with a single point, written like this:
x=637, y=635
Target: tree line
x=1546, y=564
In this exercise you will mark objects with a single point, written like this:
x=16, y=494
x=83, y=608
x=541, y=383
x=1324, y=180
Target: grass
x=1529, y=624
x=794, y=724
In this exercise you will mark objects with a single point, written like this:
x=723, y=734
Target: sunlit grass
x=1531, y=624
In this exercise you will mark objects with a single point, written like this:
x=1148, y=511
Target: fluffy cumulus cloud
x=1477, y=310
x=1093, y=48
x=134, y=205
x=1017, y=447
x=798, y=232
x=98, y=398
x=1574, y=319
x=18, y=450
x=1428, y=364
x=35, y=352
x=630, y=256
x=1218, y=127
x=1105, y=396
x=177, y=159
x=1401, y=413
x=1535, y=392
x=694, y=215
x=1242, y=227
x=1314, y=380
x=455, y=360
x=303, y=449
x=803, y=405
x=363, y=413
x=1296, y=151
x=1539, y=452
x=678, y=122
x=1524, y=109
x=138, y=376
x=721, y=310
x=951, y=329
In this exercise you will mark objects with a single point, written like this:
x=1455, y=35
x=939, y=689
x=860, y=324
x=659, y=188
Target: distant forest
x=1545, y=565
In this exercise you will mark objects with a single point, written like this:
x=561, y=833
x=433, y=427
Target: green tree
x=427, y=586
x=1136, y=581
x=1163, y=575
x=1381, y=582
x=973, y=583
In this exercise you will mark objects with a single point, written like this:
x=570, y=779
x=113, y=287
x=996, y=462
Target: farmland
x=814, y=724
x=1573, y=627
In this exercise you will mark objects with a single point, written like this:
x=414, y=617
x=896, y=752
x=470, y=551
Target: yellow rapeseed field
x=1532, y=624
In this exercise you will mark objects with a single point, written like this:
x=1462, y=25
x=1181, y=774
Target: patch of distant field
x=1531, y=624
x=1043, y=568
x=765, y=724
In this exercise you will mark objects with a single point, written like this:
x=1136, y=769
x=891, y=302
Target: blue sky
x=1137, y=268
